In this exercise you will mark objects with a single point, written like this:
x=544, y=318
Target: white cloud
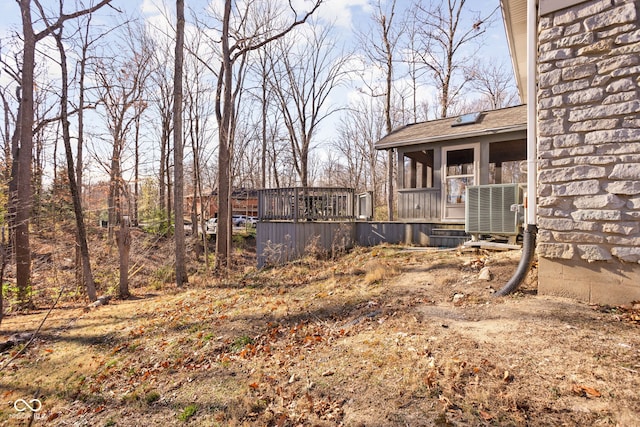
x=340, y=12
x=154, y=7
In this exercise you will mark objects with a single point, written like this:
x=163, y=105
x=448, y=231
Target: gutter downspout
x=529, y=237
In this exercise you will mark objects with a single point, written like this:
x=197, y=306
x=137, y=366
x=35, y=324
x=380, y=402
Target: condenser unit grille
x=488, y=209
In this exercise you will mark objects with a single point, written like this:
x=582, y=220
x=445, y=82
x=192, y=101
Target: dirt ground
x=383, y=336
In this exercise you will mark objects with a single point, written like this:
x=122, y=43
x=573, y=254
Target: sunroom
x=437, y=160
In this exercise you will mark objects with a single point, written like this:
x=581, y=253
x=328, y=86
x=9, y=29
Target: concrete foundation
x=606, y=283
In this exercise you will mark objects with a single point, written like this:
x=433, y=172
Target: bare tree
x=495, y=84
x=11, y=147
x=9, y=122
x=23, y=199
x=264, y=104
x=305, y=70
x=162, y=100
x=334, y=173
x=10, y=138
x=358, y=131
x=73, y=185
x=445, y=45
x=380, y=45
x=87, y=43
x=419, y=108
x=197, y=111
x=236, y=44
x=121, y=88
x=178, y=147
x=46, y=132
x=268, y=121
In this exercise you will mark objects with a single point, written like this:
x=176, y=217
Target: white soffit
x=514, y=14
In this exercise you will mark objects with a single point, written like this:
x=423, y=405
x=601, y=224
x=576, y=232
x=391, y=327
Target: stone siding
x=589, y=134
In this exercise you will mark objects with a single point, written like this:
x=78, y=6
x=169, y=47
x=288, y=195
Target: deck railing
x=306, y=204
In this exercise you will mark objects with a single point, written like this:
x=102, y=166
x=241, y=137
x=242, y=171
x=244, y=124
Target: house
x=437, y=160
x=586, y=115
x=580, y=132
x=582, y=139
x=243, y=202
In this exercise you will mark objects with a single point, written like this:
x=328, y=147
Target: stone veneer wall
x=589, y=152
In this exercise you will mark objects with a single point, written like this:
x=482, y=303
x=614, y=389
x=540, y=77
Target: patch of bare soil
x=384, y=336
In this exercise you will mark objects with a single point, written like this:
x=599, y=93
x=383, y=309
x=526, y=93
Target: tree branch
x=65, y=17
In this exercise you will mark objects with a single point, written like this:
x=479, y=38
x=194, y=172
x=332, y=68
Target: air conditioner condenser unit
x=495, y=209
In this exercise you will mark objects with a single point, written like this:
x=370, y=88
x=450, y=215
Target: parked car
x=252, y=220
x=210, y=225
x=238, y=220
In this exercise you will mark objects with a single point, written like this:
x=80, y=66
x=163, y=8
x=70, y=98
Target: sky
x=347, y=16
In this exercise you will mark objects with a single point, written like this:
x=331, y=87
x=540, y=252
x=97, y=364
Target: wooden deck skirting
x=278, y=242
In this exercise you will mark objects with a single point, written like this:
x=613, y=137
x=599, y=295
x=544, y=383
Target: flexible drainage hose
x=528, y=252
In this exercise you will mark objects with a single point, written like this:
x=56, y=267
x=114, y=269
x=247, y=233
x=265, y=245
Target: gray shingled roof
x=490, y=122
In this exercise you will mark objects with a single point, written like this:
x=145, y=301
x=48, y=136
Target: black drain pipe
x=529, y=235
x=528, y=253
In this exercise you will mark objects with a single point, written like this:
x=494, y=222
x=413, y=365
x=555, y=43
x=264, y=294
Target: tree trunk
x=80, y=147
x=75, y=195
x=169, y=210
x=9, y=151
x=390, y=161
x=114, y=189
x=304, y=167
x=13, y=182
x=123, y=238
x=164, y=143
x=223, y=233
x=198, y=219
x=265, y=108
x=136, y=170
x=178, y=184
x=223, y=236
x=24, y=172
x=3, y=264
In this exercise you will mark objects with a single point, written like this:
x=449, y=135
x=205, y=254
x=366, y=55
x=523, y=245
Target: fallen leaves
x=507, y=377
x=274, y=352
x=585, y=391
x=485, y=415
x=626, y=313
x=430, y=378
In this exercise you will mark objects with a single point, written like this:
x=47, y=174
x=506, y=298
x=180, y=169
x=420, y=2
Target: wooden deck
x=306, y=204
x=278, y=242
x=296, y=221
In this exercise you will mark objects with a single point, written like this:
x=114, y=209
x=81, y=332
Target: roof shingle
x=493, y=121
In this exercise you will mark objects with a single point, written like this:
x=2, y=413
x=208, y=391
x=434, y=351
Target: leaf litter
x=358, y=341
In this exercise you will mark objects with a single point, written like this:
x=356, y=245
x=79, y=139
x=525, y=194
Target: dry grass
x=371, y=339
